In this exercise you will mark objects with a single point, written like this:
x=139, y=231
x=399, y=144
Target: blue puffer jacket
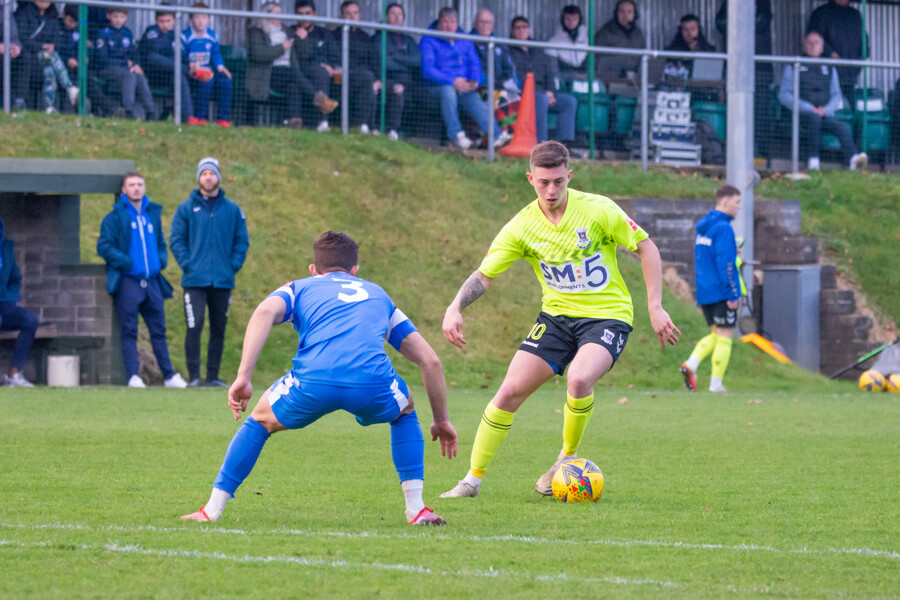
x=209, y=240
x=444, y=60
x=10, y=276
x=114, y=245
x=715, y=254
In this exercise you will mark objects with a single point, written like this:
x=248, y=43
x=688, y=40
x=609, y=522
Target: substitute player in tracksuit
x=209, y=240
x=719, y=287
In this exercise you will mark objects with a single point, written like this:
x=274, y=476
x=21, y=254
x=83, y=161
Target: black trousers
x=196, y=299
x=291, y=83
x=362, y=98
x=393, y=106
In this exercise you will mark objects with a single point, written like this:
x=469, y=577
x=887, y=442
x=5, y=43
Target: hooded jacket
x=444, y=60
x=715, y=257
x=115, y=244
x=10, y=276
x=209, y=240
x=36, y=29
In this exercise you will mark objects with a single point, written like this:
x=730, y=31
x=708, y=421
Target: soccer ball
x=892, y=383
x=871, y=381
x=578, y=480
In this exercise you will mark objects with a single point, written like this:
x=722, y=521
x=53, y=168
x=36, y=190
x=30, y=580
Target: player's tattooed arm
x=471, y=290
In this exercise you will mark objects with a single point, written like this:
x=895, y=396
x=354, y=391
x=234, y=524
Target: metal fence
x=615, y=113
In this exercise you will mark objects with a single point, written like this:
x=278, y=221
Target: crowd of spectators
x=297, y=65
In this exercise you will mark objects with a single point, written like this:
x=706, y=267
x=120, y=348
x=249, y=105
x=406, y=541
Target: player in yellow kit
x=570, y=240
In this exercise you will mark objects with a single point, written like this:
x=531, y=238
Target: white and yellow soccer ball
x=871, y=381
x=892, y=383
x=577, y=480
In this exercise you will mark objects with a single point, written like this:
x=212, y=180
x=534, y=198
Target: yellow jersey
x=575, y=261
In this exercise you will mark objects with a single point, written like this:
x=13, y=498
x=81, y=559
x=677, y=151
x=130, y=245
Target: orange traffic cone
x=525, y=132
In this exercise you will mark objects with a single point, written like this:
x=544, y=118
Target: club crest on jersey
x=583, y=240
x=608, y=336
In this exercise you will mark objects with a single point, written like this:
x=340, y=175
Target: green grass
x=706, y=496
x=424, y=220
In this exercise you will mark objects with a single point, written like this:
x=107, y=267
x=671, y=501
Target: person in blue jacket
x=117, y=58
x=13, y=316
x=207, y=69
x=157, y=57
x=133, y=245
x=718, y=287
x=452, y=73
x=209, y=240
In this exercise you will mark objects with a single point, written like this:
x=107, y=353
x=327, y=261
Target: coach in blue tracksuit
x=13, y=316
x=134, y=248
x=209, y=240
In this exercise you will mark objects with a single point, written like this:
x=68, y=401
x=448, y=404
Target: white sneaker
x=18, y=380
x=323, y=126
x=73, y=94
x=503, y=139
x=393, y=135
x=813, y=164
x=718, y=389
x=136, y=382
x=364, y=129
x=463, y=489
x=376, y=132
x=50, y=110
x=859, y=161
x=463, y=141
x=175, y=381
x=544, y=485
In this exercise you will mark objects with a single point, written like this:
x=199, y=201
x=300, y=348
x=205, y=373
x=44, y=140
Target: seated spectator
x=133, y=245
x=14, y=49
x=157, y=56
x=206, y=69
x=100, y=104
x=271, y=64
x=319, y=59
x=504, y=74
x=451, y=70
x=38, y=25
x=403, y=63
x=820, y=97
x=572, y=32
x=689, y=38
x=622, y=32
x=534, y=60
x=365, y=71
x=116, y=59
x=13, y=316
x=841, y=28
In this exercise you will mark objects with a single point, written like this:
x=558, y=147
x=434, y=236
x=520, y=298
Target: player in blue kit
x=342, y=322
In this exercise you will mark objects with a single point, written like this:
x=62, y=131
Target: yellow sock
x=721, y=356
x=704, y=347
x=495, y=425
x=577, y=413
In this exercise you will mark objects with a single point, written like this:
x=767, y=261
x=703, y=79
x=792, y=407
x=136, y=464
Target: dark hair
x=516, y=19
x=447, y=11
x=689, y=17
x=347, y=3
x=115, y=9
x=129, y=175
x=571, y=9
x=71, y=10
x=392, y=5
x=632, y=3
x=159, y=13
x=726, y=191
x=549, y=155
x=303, y=4
x=335, y=251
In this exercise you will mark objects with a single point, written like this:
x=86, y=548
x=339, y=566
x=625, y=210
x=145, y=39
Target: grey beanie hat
x=208, y=163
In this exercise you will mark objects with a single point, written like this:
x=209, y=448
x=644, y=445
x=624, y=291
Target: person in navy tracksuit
x=116, y=58
x=133, y=245
x=157, y=57
x=209, y=240
x=13, y=316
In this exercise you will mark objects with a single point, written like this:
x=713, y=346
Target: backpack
x=712, y=148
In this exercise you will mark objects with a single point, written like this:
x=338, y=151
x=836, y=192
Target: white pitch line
x=315, y=562
x=890, y=554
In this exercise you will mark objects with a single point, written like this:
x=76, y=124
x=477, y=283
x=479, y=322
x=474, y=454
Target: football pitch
x=744, y=495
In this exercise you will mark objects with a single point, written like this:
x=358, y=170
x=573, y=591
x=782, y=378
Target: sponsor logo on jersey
x=583, y=240
x=590, y=275
x=608, y=336
x=702, y=240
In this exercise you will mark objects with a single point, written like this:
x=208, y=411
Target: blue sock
x=242, y=453
x=408, y=447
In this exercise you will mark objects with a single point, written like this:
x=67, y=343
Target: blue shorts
x=297, y=404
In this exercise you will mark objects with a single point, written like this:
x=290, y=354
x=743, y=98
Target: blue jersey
x=343, y=323
x=202, y=48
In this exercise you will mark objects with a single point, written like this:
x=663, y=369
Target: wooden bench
x=44, y=332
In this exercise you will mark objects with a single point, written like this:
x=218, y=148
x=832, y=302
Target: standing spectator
x=841, y=28
x=365, y=70
x=13, y=316
x=209, y=241
x=15, y=49
x=571, y=32
x=207, y=69
x=504, y=73
x=546, y=98
x=134, y=247
x=718, y=287
x=319, y=60
x=271, y=64
x=100, y=104
x=38, y=24
x=157, y=55
x=403, y=62
x=689, y=38
x=117, y=58
x=452, y=70
x=820, y=97
x=622, y=32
